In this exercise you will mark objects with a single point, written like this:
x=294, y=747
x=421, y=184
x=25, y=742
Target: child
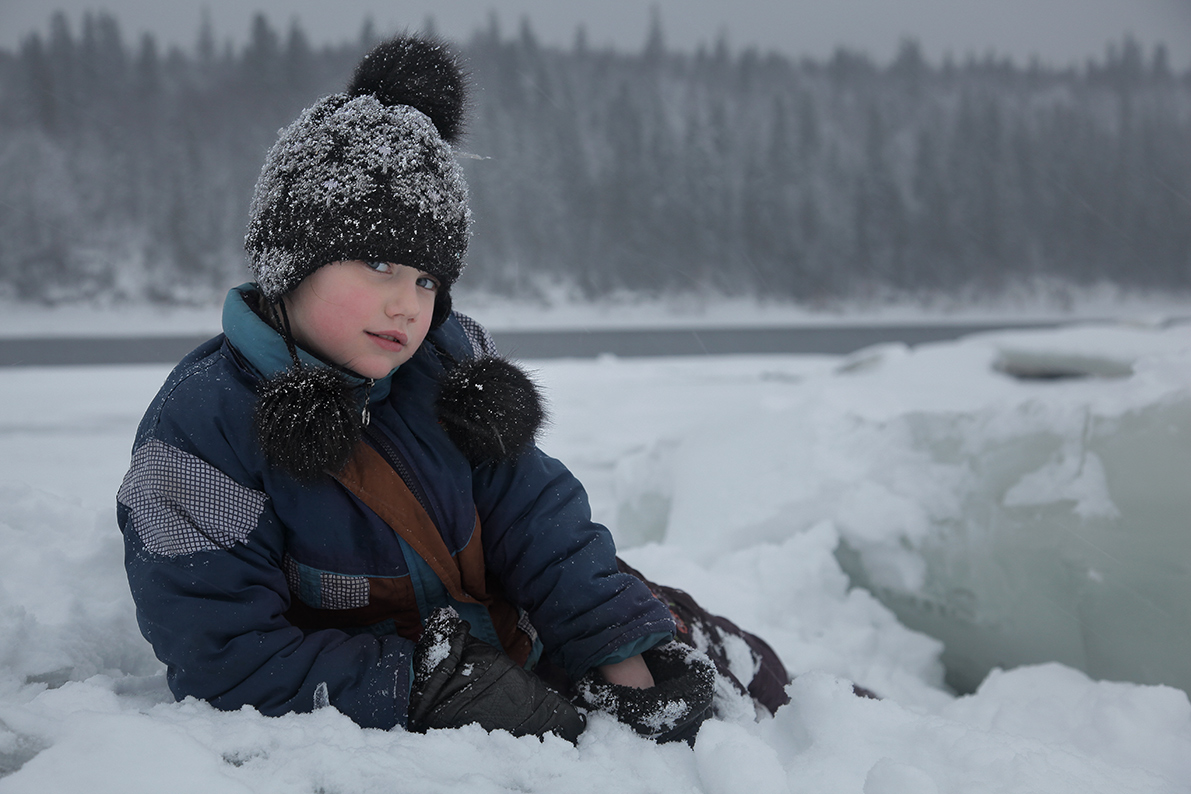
x=338, y=500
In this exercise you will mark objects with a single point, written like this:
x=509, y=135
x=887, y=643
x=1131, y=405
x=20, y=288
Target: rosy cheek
x=327, y=330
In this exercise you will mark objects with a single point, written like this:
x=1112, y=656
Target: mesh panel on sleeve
x=344, y=592
x=324, y=589
x=180, y=504
x=293, y=574
x=482, y=343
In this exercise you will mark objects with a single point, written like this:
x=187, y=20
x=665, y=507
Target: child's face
x=367, y=316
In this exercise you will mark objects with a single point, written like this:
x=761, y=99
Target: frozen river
x=538, y=344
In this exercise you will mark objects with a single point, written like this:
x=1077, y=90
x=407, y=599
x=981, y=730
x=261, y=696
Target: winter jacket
x=255, y=588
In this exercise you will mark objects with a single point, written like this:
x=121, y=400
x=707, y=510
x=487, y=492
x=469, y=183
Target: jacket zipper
x=394, y=458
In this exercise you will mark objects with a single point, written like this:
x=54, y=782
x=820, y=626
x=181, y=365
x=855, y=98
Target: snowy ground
x=747, y=480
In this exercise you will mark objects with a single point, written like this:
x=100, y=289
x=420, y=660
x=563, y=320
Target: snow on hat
x=368, y=174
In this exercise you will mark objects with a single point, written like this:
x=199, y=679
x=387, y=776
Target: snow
x=1037, y=525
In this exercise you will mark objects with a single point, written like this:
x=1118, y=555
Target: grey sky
x=1058, y=31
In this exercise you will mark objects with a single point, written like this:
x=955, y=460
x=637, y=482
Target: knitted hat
x=368, y=174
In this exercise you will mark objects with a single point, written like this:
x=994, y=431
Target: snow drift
x=1022, y=496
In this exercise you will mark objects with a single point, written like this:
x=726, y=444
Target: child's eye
x=428, y=282
x=380, y=267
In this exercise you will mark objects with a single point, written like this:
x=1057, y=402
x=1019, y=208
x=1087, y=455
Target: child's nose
x=403, y=299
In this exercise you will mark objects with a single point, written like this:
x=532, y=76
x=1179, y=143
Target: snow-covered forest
x=125, y=170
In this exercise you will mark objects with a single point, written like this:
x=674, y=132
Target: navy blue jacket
x=222, y=550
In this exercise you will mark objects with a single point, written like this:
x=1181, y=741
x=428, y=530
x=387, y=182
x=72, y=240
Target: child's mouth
x=389, y=341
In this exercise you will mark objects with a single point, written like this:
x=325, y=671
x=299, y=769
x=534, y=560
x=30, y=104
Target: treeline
x=125, y=171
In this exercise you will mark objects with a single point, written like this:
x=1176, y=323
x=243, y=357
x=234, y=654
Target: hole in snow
x=1046, y=365
x=53, y=679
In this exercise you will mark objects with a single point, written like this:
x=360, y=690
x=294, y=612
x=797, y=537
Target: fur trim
x=308, y=421
x=490, y=408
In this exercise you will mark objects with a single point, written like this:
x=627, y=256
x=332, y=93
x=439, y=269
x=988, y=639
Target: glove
x=459, y=680
x=672, y=709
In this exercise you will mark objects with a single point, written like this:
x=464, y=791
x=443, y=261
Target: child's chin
x=376, y=373
x=380, y=368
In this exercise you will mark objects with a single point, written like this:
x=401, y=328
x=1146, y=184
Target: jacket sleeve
x=550, y=557
x=204, y=559
x=560, y=566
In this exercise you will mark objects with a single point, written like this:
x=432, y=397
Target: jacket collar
x=264, y=348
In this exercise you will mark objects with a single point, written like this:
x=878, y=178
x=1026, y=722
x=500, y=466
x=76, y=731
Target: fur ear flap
x=307, y=421
x=490, y=408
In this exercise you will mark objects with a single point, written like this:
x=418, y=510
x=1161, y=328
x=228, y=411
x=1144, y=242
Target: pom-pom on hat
x=369, y=174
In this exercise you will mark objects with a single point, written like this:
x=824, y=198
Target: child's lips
x=390, y=340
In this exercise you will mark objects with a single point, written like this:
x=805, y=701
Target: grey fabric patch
x=323, y=589
x=482, y=343
x=524, y=624
x=343, y=592
x=181, y=504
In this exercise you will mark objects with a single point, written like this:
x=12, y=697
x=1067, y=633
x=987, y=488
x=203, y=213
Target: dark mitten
x=670, y=711
x=459, y=680
x=712, y=634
